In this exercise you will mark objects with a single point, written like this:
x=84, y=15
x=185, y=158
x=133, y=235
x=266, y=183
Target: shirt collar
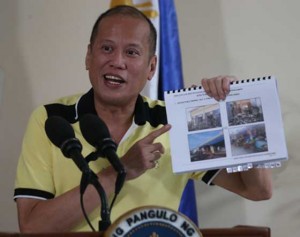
x=86, y=105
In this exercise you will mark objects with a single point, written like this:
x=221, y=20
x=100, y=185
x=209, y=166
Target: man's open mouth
x=114, y=79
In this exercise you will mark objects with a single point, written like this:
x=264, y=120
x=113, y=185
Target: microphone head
x=62, y=135
x=58, y=130
x=93, y=129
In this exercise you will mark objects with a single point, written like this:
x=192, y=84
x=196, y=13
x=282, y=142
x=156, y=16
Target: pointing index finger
x=155, y=134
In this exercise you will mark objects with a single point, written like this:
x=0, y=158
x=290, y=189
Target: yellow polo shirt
x=44, y=173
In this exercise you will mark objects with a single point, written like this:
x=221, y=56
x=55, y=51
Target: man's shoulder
x=66, y=107
x=153, y=102
x=67, y=100
x=63, y=101
x=149, y=110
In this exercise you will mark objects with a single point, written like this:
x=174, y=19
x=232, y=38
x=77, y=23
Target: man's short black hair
x=127, y=11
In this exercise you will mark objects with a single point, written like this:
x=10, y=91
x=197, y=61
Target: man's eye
x=106, y=48
x=132, y=52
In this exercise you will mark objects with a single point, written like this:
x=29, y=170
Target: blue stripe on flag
x=188, y=203
x=170, y=70
x=170, y=78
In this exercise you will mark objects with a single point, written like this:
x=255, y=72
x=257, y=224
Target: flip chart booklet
x=241, y=132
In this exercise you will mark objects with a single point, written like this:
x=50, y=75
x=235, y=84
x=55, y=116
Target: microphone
x=95, y=131
x=62, y=135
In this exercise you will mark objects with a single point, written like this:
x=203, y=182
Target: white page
x=245, y=129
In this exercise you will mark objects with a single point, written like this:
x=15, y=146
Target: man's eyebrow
x=106, y=41
x=136, y=45
x=133, y=44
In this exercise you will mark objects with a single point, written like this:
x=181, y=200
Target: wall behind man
x=42, y=52
x=42, y=49
x=249, y=39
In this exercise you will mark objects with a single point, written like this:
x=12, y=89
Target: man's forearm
x=258, y=182
x=64, y=212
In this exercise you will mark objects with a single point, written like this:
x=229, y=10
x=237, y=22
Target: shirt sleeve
x=34, y=171
x=205, y=176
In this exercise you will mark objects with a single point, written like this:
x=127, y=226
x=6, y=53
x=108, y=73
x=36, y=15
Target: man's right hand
x=144, y=154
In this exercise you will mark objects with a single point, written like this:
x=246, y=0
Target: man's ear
x=152, y=65
x=88, y=57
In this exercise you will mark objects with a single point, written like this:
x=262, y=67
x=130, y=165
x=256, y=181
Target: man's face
x=118, y=61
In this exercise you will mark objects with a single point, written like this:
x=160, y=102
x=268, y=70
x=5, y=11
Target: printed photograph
x=206, y=145
x=244, y=111
x=248, y=139
x=203, y=117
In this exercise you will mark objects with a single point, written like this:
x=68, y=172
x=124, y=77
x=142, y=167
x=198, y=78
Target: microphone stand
x=121, y=175
x=89, y=177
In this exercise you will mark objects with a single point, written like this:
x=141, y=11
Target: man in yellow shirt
x=120, y=60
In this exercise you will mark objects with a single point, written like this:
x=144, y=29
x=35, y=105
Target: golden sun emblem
x=148, y=4
x=154, y=235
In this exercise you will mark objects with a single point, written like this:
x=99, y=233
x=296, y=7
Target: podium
x=237, y=231
x=155, y=221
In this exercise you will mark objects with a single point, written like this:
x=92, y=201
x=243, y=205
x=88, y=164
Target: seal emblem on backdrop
x=153, y=221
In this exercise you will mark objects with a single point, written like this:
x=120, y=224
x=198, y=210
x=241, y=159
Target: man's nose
x=118, y=60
